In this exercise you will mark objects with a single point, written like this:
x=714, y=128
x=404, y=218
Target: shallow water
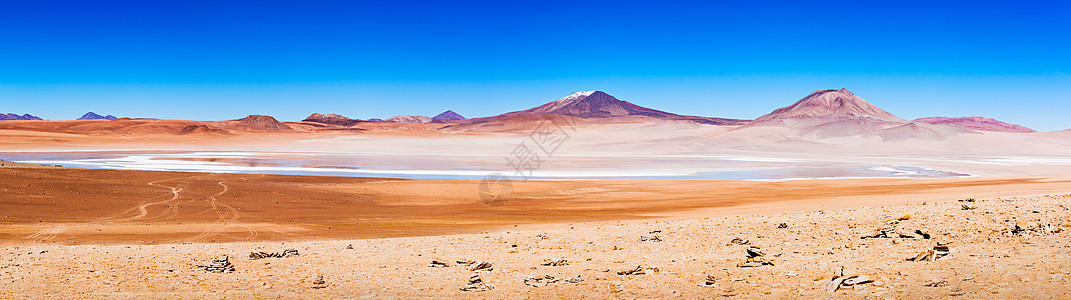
x=475, y=167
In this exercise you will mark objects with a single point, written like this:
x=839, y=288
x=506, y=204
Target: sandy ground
x=988, y=258
x=78, y=206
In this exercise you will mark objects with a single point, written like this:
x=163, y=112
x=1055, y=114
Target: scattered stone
x=349, y=247
x=574, y=280
x=653, y=238
x=967, y=200
x=319, y=283
x=710, y=282
x=637, y=271
x=782, y=225
x=542, y=236
x=845, y=280
x=936, y=283
x=476, y=284
x=219, y=266
x=438, y=264
x=540, y=281
x=284, y=254
x=754, y=259
x=466, y=262
x=556, y=263
x=937, y=252
x=739, y=241
x=967, y=207
x=483, y=267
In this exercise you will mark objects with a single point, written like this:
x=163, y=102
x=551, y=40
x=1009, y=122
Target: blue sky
x=210, y=60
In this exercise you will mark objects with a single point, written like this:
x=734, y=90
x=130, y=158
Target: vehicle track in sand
x=182, y=190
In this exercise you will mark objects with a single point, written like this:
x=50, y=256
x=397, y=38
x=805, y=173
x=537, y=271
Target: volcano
x=597, y=104
x=448, y=116
x=830, y=104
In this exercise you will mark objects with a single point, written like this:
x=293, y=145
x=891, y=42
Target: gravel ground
x=997, y=248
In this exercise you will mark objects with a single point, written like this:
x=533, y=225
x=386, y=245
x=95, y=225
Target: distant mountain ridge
x=977, y=123
x=13, y=117
x=95, y=116
x=409, y=119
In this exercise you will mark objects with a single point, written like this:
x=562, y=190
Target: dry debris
x=284, y=254
x=219, y=266
x=476, y=284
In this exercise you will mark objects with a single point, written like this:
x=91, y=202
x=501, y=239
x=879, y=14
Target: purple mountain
x=6, y=117
x=95, y=116
x=448, y=116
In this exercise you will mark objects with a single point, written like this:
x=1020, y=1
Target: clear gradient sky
x=212, y=60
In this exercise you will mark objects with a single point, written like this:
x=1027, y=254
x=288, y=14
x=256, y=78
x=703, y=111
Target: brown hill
x=195, y=129
x=258, y=122
x=331, y=119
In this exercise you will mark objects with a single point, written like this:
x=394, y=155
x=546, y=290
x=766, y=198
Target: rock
x=637, y=271
x=575, y=280
x=555, y=263
x=710, y=282
x=782, y=225
x=937, y=252
x=319, y=283
x=845, y=280
x=438, y=264
x=284, y=254
x=483, y=267
x=540, y=281
x=349, y=247
x=967, y=207
x=466, y=262
x=904, y=217
x=476, y=284
x=754, y=252
x=219, y=266
x=739, y=241
x=654, y=238
x=936, y=283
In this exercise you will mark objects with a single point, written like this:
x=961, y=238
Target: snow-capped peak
x=577, y=95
